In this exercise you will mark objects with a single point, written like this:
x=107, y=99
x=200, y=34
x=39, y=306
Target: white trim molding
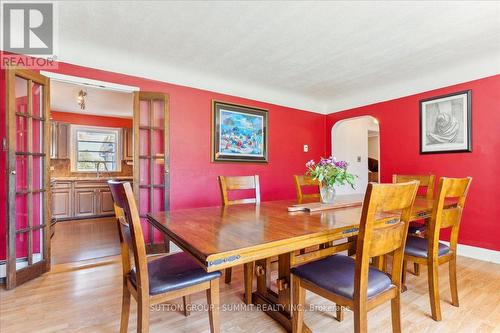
x=81, y=81
x=477, y=253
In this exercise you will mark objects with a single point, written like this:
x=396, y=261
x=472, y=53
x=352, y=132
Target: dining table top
x=221, y=236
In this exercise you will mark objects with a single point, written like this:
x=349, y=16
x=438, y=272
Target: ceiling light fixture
x=81, y=99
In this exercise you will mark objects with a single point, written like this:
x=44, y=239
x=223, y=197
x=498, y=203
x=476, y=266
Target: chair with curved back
x=300, y=181
x=353, y=282
x=429, y=251
x=427, y=182
x=159, y=280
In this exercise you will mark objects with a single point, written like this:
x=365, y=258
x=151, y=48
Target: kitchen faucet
x=97, y=164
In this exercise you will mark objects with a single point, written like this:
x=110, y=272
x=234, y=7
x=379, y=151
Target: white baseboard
x=19, y=265
x=174, y=248
x=477, y=253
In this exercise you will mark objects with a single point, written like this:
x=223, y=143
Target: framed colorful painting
x=239, y=133
x=446, y=123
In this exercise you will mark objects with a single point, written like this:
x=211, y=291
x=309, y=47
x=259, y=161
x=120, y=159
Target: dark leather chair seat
x=174, y=272
x=417, y=247
x=336, y=274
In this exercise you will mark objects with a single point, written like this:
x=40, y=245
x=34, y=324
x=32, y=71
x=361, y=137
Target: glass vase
x=327, y=193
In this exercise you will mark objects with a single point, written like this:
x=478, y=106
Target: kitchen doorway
x=91, y=142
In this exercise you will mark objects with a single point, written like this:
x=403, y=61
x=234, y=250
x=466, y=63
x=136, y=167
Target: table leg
x=248, y=277
x=276, y=305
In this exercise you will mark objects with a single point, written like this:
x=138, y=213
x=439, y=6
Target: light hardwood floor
x=85, y=239
x=86, y=296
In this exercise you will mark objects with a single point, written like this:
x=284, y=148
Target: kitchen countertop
x=59, y=179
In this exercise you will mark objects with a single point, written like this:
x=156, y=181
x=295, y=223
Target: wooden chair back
x=427, y=181
x=301, y=180
x=376, y=239
x=131, y=237
x=442, y=217
x=239, y=183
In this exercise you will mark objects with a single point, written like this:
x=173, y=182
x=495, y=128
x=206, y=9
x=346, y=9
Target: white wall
x=350, y=140
x=373, y=147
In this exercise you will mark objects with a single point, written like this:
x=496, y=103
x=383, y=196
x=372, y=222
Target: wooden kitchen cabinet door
x=85, y=202
x=63, y=141
x=61, y=204
x=128, y=144
x=105, y=205
x=59, y=145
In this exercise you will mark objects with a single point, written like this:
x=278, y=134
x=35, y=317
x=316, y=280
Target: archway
x=357, y=141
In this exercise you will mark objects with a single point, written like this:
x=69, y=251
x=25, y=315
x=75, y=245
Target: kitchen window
x=95, y=148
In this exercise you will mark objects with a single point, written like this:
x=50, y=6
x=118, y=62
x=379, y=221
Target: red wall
x=193, y=176
x=399, y=153
x=191, y=169
x=90, y=120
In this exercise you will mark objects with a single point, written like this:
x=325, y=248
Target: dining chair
x=238, y=183
x=427, y=184
x=352, y=282
x=159, y=280
x=429, y=251
x=300, y=181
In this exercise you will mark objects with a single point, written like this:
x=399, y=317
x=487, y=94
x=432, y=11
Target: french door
x=28, y=236
x=151, y=160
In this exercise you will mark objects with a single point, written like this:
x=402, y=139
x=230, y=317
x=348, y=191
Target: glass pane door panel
x=144, y=113
x=21, y=86
x=37, y=245
x=158, y=171
x=37, y=173
x=158, y=143
x=37, y=140
x=144, y=142
x=144, y=206
x=21, y=173
x=146, y=227
x=36, y=95
x=159, y=200
x=21, y=134
x=158, y=114
x=145, y=171
x=22, y=241
x=21, y=211
x=37, y=217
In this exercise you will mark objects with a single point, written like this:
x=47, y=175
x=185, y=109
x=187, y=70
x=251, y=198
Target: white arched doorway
x=357, y=141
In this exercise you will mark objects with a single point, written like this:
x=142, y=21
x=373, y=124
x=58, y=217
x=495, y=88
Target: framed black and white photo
x=445, y=123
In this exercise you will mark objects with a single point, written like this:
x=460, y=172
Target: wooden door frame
x=138, y=95
x=14, y=277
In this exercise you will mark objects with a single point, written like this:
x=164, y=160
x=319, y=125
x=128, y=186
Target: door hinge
x=4, y=144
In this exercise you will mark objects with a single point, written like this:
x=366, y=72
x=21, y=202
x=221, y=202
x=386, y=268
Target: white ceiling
x=318, y=56
x=63, y=97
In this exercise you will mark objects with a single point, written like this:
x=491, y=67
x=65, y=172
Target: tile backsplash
x=62, y=168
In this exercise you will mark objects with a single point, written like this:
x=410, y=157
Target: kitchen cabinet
x=81, y=198
x=62, y=200
x=128, y=144
x=85, y=202
x=105, y=204
x=59, y=143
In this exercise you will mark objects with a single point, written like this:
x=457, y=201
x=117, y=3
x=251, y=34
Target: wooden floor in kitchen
x=78, y=240
x=86, y=296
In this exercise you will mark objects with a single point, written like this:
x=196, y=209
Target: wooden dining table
x=228, y=236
